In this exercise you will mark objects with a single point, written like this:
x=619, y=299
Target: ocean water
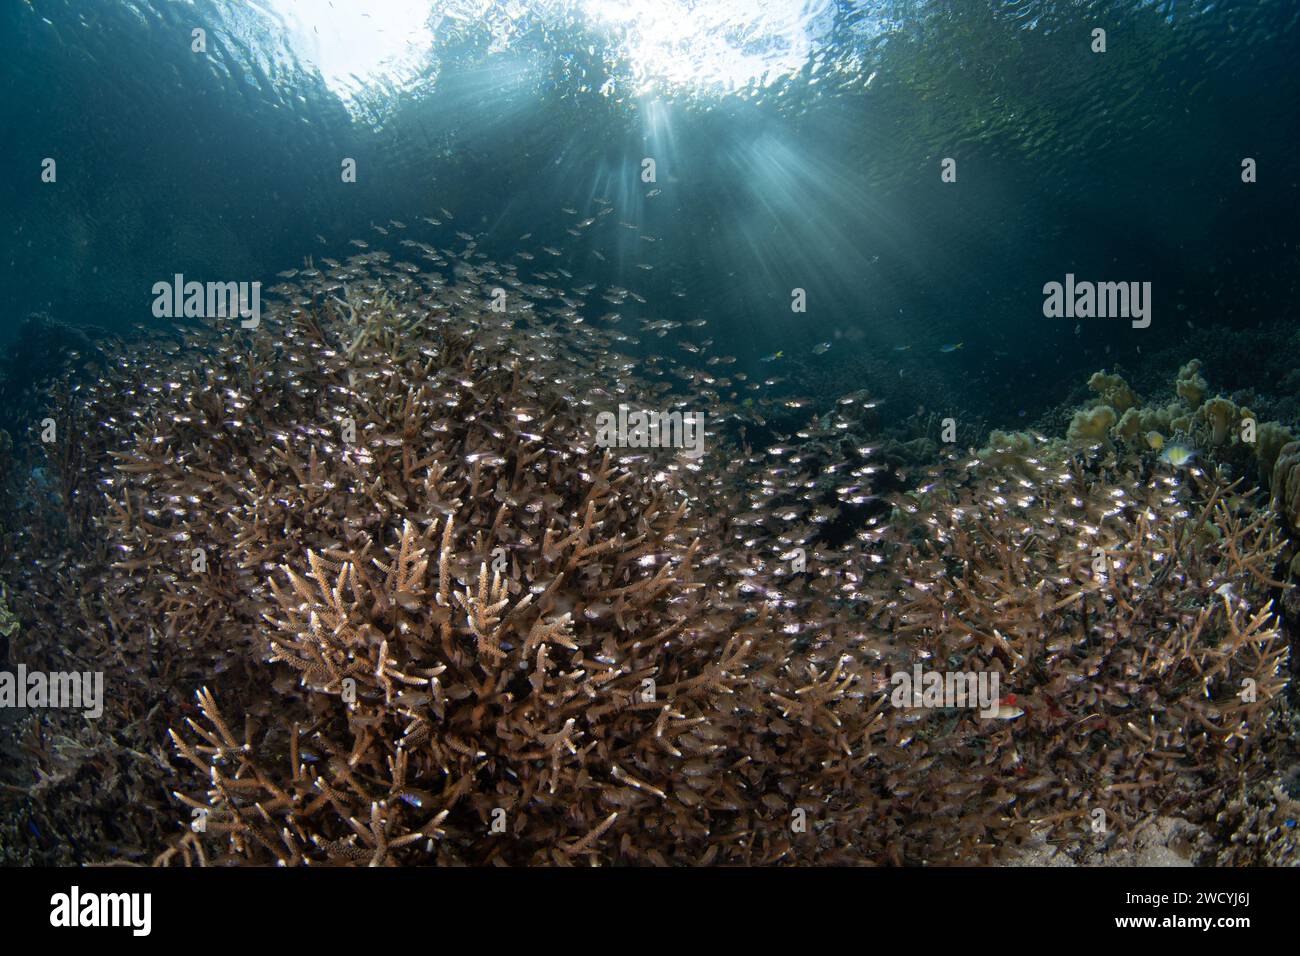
x=796, y=144
x=806, y=199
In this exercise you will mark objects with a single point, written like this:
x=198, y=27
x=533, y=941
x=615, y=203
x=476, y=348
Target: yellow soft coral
x=1220, y=414
x=1129, y=426
x=1285, y=485
x=1189, y=384
x=1114, y=391
x=1269, y=440
x=1090, y=425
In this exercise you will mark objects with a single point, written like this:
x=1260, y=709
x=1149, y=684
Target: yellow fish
x=1177, y=455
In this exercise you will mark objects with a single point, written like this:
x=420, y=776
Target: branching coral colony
x=364, y=591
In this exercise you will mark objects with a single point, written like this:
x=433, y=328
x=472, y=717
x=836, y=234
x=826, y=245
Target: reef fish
x=1177, y=454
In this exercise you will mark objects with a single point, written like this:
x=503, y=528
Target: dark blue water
x=822, y=173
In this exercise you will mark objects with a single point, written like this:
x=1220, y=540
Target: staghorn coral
x=490, y=701
x=348, y=790
x=417, y=610
x=1125, y=615
x=234, y=479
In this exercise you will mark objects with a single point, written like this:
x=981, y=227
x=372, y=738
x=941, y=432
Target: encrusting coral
x=365, y=590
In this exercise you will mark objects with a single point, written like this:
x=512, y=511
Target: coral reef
x=1270, y=439
x=1112, y=597
x=1218, y=426
x=8, y=623
x=1285, y=485
x=1189, y=385
x=1091, y=425
x=1112, y=390
x=1219, y=415
x=43, y=350
x=365, y=590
